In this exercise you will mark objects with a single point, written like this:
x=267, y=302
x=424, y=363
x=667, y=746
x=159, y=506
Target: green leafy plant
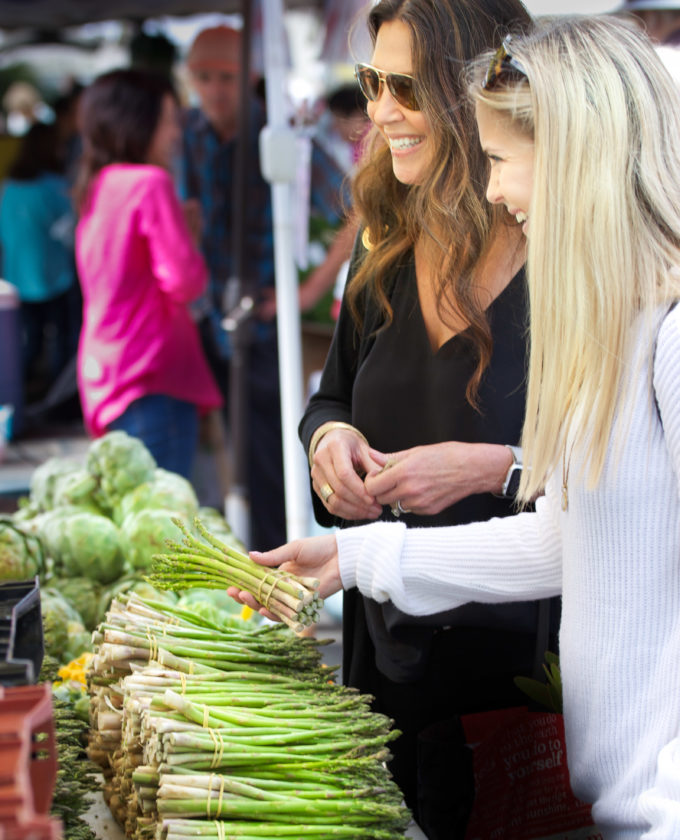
x=548, y=694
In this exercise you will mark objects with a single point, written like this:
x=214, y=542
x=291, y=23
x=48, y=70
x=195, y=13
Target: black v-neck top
x=400, y=394
x=405, y=394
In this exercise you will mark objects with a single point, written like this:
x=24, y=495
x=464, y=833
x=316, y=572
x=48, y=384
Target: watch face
x=513, y=481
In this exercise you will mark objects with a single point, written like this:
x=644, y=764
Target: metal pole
x=278, y=159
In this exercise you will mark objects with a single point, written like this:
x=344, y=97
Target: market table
x=19, y=462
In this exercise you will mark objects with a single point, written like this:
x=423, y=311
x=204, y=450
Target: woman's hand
x=340, y=461
x=313, y=557
x=427, y=479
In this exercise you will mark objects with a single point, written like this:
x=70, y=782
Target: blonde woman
x=422, y=394
x=580, y=124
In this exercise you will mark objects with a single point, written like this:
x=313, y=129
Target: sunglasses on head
x=400, y=85
x=501, y=64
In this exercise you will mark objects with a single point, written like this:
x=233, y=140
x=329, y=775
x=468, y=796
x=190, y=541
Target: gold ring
x=326, y=492
x=397, y=509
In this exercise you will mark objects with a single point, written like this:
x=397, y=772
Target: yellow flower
x=75, y=670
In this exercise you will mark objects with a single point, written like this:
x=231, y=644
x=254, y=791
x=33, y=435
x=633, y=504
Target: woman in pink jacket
x=140, y=363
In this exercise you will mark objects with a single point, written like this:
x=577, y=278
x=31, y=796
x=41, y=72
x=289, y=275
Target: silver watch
x=514, y=474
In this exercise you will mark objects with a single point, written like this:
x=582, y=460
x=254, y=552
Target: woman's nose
x=385, y=108
x=493, y=193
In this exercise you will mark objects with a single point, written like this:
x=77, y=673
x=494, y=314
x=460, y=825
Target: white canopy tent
x=57, y=14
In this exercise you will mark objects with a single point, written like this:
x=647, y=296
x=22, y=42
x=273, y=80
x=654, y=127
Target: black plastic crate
x=21, y=635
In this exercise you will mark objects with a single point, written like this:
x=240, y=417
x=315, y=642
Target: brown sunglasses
x=502, y=62
x=400, y=85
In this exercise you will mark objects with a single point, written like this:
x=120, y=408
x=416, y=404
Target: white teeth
x=399, y=143
x=521, y=217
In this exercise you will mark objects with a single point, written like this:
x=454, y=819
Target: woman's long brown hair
x=448, y=209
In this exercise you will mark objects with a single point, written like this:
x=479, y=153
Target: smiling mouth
x=521, y=217
x=400, y=144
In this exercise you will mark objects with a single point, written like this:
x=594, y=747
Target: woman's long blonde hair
x=604, y=222
x=448, y=209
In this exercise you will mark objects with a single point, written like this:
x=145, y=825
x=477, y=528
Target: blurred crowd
x=72, y=257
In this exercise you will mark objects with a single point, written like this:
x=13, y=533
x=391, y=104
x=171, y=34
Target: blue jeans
x=168, y=428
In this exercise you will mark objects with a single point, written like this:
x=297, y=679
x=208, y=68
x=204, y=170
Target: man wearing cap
x=208, y=168
x=660, y=18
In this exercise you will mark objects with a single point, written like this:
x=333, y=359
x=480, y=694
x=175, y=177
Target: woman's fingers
x=246, y=598
x=382, y=483
x=312, y=557
x=336, y=479
x=379, y=459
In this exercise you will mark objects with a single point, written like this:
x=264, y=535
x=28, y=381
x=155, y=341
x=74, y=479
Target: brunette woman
x=141, y=367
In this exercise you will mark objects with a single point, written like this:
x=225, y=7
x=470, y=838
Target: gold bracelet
x=323, y=429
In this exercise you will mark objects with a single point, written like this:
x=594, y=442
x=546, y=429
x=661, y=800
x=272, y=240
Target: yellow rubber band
x=269, y=595
x=183, y=680
x=153, y=645
x=219, y=799
x=218, y=752
x=209, y=796
x=213, y=760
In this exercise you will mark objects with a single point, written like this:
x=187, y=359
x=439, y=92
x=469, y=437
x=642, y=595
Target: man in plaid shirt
x=206, y=178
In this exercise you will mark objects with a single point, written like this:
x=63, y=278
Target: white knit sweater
x=615, y=557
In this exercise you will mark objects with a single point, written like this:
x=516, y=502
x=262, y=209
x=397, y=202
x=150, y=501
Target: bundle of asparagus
x=209, y=563
x=215, y=830
x=239, y=730
x=264, y=760
x=139, y=631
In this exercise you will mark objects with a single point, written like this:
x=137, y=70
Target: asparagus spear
x=210, y=563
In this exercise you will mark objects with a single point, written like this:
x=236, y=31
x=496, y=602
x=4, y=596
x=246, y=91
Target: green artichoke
x=119, y=463
x=84, y=595
x=21, y=553
x=85, y=544
x=45, y=477
x=166, y=490
x=64, y=634
x=144, y=534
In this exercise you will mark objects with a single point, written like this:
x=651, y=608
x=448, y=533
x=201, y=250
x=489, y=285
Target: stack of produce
x=90, y=530
x=76, y=778
x=230, y=731
x=210, y=563
x=138, y=631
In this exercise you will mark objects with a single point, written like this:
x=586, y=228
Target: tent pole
x=278, y=156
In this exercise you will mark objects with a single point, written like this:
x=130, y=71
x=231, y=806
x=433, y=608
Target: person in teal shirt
x=36, y=236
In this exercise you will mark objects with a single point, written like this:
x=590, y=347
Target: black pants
x=469, y=669
x=264, y=447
